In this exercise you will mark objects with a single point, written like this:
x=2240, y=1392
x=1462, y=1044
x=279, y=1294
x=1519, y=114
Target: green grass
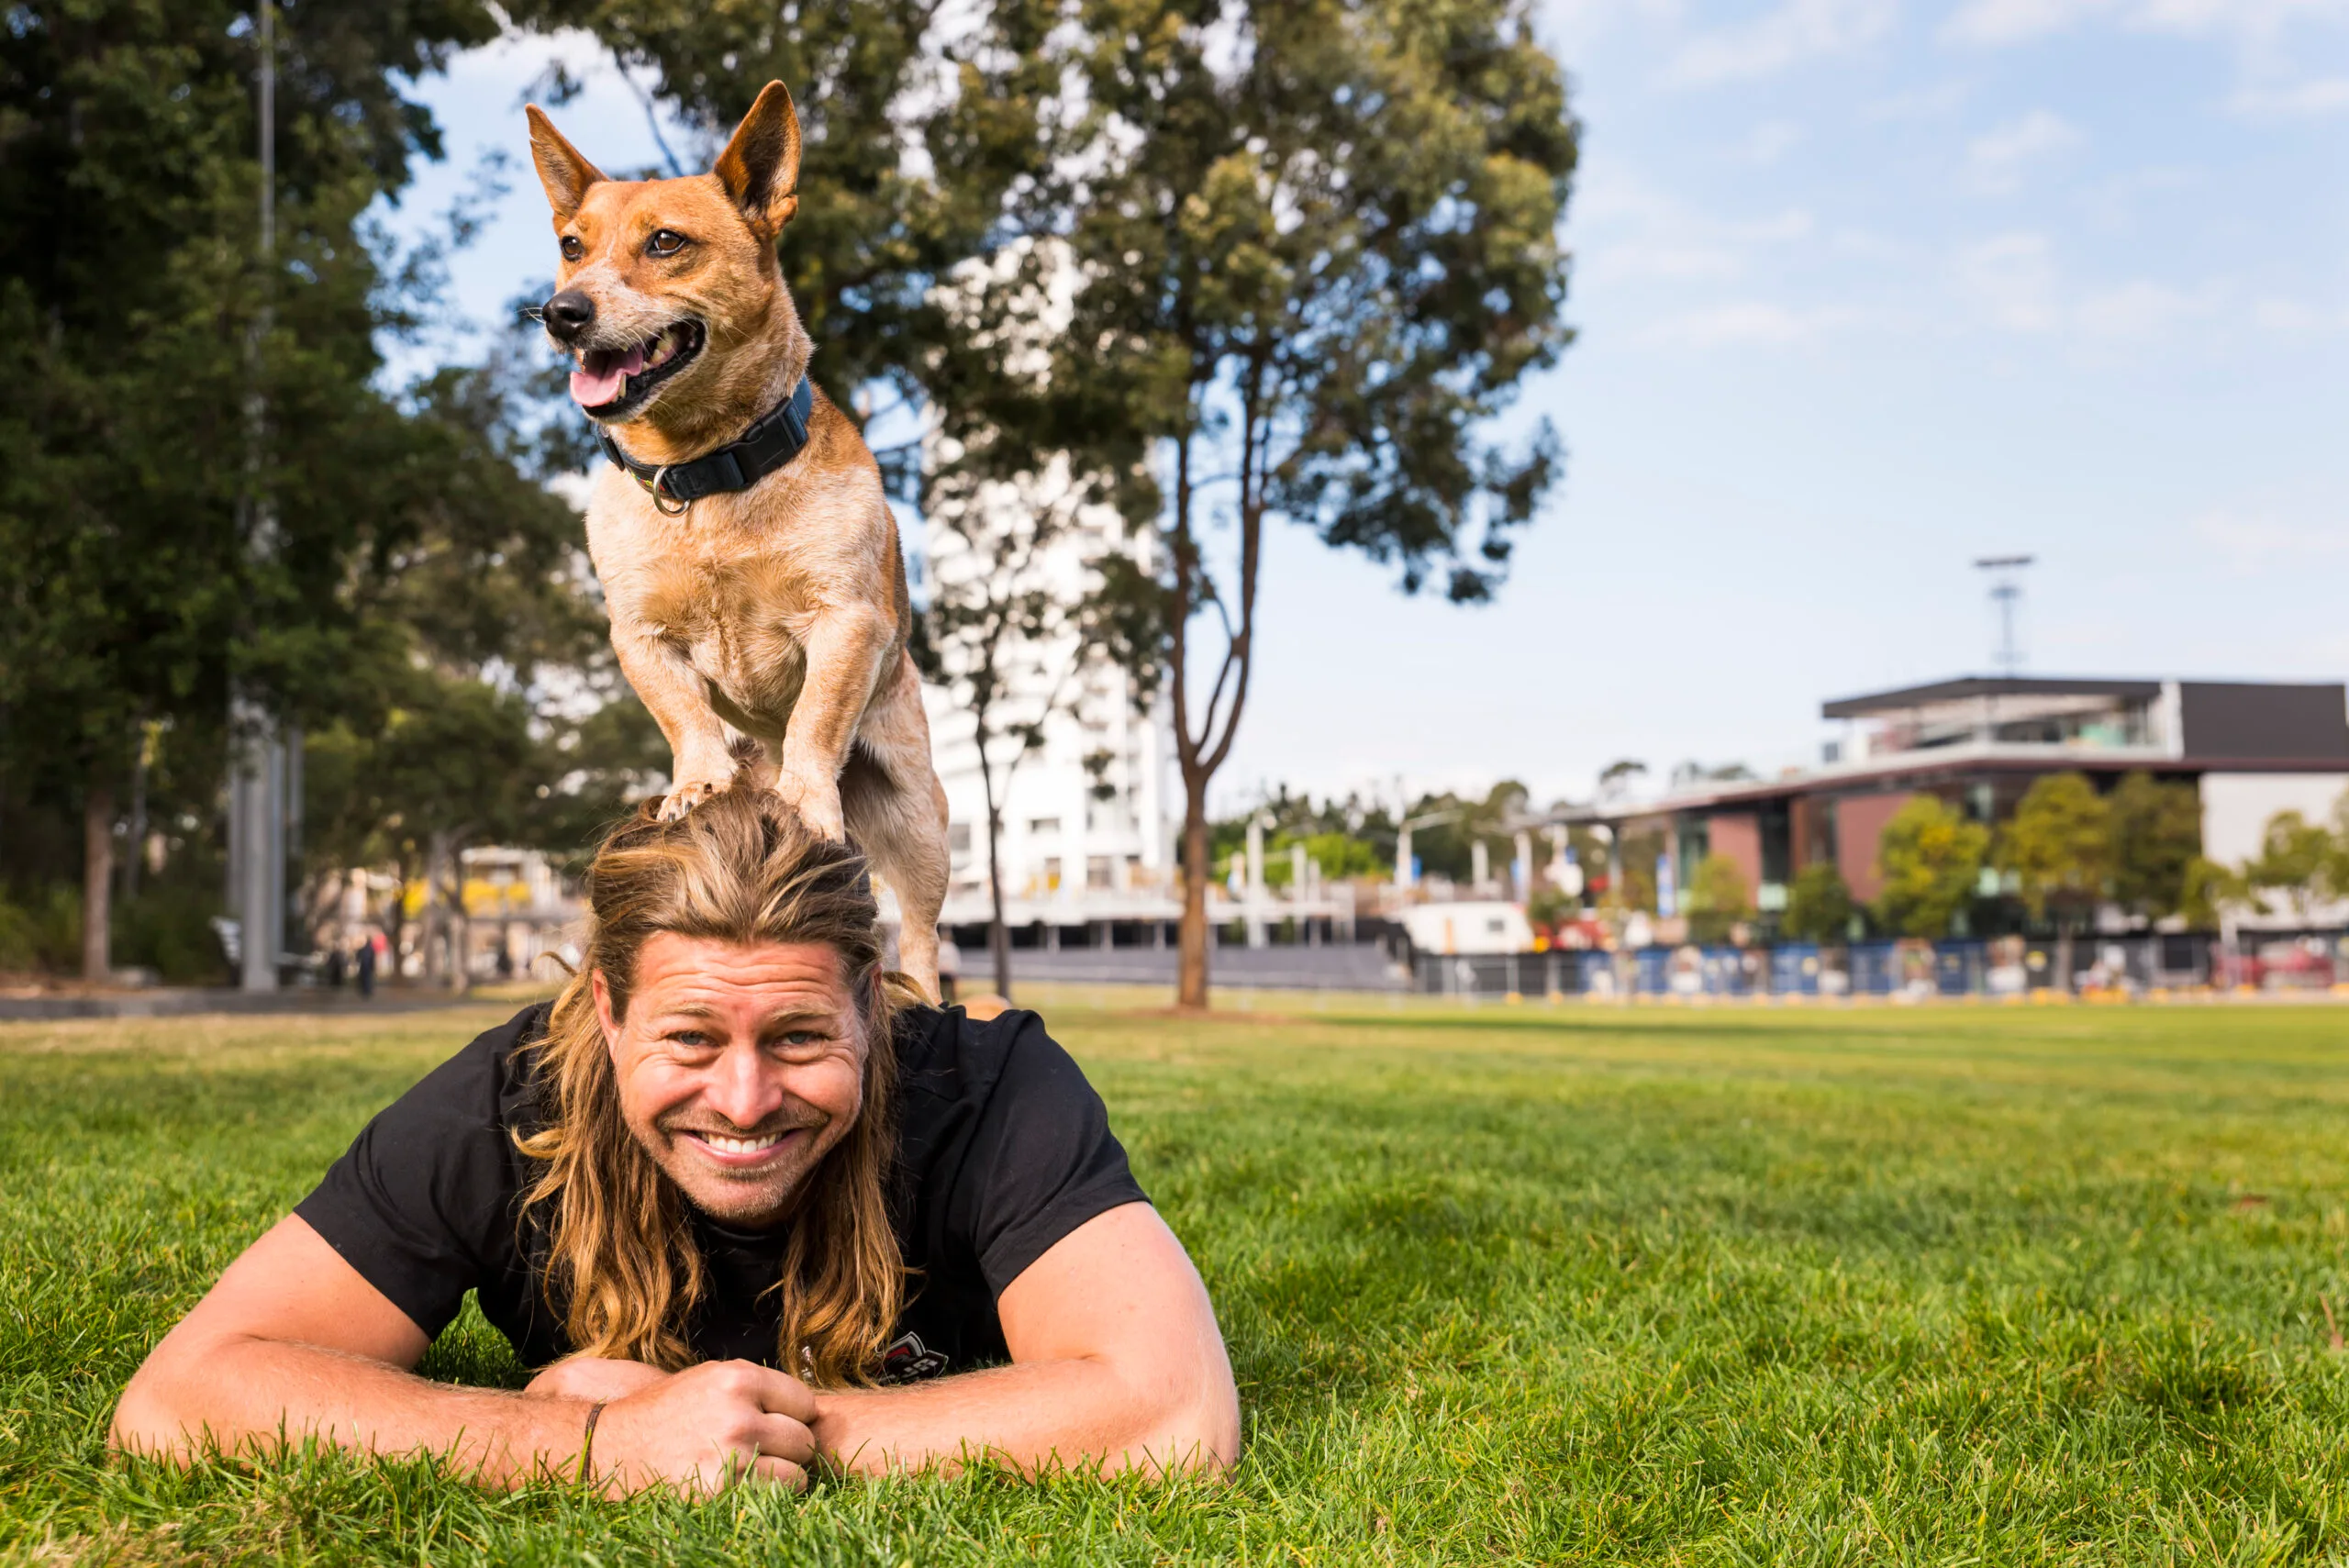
x=1902, y=1285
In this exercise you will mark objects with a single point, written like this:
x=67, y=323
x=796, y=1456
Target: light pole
x=257, y=782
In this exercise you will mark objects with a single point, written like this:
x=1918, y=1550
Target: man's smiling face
x=740, y=1067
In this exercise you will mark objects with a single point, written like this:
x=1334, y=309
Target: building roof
x=1965, y=687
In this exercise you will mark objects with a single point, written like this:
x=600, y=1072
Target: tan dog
x=764, y=625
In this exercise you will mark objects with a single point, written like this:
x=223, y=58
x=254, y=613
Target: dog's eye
x=666, y=242
x=572, y=249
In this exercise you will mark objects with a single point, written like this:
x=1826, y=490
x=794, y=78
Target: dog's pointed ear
x=561, y=169
x=759, y=168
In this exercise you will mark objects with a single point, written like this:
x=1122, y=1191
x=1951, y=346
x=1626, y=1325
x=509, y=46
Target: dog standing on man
x=747, y=551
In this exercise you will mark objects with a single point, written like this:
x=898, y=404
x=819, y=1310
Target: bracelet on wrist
x=587, y=1441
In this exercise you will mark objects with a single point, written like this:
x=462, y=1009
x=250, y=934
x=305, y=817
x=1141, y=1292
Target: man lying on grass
x=748, y=1202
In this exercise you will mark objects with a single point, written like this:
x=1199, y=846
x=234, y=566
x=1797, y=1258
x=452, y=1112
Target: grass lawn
x=1514, y=1285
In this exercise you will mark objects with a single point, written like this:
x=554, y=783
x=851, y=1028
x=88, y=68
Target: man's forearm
x=242, y=1392
x=1035, y=1417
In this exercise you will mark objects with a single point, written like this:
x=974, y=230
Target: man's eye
x=690, y=1037
x=572, y=249
x=666, y=242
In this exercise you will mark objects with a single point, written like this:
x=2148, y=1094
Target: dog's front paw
x=819, y=805
x=689, y=793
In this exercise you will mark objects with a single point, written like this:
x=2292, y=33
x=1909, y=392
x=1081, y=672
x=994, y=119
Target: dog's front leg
x=678, y=700
x=845, y=647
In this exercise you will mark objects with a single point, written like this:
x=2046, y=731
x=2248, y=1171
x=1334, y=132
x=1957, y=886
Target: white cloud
x=2012, y=281
x=2293, y=316
x=1797, y=31
x=2257, y=536
x=2138, y=309
x=2291, y=100
x=1629, y=231
x=1997, y=23
x=1995, y=161
x=1748, y=322
x=1771, y=140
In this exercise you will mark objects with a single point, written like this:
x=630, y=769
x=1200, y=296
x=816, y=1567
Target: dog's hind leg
x=895, y=809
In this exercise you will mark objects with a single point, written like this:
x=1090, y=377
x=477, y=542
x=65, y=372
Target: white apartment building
x=1088, y=836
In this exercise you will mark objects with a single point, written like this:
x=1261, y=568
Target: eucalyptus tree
x=1317, y=255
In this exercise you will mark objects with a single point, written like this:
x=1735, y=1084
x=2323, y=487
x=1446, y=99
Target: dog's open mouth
x=612, y=383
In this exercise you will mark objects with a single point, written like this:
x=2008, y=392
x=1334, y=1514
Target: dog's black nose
x=569, y=313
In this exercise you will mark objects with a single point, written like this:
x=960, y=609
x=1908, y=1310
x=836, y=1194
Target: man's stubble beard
x=751, y=1199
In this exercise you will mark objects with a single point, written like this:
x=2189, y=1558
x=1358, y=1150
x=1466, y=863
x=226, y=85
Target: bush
x=1818, y=904
x=1930, y=859
x=40, y=931
x=169, y=930
x=1719, y=901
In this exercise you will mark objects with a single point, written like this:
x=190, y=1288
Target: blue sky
x=1864, y=289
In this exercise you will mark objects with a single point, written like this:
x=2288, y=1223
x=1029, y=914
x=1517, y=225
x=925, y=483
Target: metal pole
x=257, y=788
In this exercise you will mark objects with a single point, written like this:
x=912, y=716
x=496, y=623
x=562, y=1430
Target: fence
x=2008, y=967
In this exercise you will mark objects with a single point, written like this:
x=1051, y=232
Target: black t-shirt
x=1003, y=1149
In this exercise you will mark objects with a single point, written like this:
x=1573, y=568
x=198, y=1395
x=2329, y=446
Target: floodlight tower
x=2006, y=593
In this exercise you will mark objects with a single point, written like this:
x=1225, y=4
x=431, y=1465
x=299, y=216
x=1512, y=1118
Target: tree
x=2058, y=849
x=1718, y=900
x=2298, y=860
x=158, y=543
x=1316, y=251
x=1930, y=858
x=1818, y=904
x=1004, y=632
x=874, y=82
x=2156, y=836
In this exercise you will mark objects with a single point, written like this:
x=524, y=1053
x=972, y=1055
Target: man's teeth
x=725, y=1145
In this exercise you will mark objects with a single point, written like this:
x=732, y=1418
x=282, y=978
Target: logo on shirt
x=907, y=1359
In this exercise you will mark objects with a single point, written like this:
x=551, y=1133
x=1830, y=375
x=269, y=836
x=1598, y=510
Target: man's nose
x=742, y=1086
x=568, y=313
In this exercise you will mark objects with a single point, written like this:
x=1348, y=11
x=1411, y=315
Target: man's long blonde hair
x=623, y=1268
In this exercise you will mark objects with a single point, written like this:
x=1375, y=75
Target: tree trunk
x=436, y=922
x=1191, y=985
x=97, y=875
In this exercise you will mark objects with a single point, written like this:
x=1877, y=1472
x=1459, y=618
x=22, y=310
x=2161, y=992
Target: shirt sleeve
x=420, y=1203
x=1042, y=1160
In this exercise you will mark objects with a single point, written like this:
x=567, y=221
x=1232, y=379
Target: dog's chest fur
x=730, y=585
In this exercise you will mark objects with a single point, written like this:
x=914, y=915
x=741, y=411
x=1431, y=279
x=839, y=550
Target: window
x=1043, y=825
x=1052, y=873
x=958, y=838
x=1100, y=872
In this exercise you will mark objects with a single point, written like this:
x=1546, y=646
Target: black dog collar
x=768, y=445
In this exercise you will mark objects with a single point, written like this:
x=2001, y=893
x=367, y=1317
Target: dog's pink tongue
x=594, y=388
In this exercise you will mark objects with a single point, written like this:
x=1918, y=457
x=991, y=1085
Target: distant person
x=949, y=968
x=336, y=963
x=746, y=1199
x=366, y=962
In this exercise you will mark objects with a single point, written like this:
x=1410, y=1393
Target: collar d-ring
x=668, y=507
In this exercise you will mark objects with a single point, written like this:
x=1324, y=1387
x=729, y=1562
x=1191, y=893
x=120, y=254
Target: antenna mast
x=2006, y=593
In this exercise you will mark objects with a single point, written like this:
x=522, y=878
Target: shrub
x=1818, y=904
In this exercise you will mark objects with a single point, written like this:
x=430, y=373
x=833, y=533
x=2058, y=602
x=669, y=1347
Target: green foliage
x=1718, y=900
x=2058, y=847
x=167, y=928
x=2157, y=838
x=1930, y=859
x=2208, y=890
x=1818, y=904
x=1550, y=905
x=43, y=932
x=1938, y=1286
x=2298, y=860
x=1636, y=855
x=1338, y=855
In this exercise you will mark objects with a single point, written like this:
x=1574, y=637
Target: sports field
x=1518, y=1285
